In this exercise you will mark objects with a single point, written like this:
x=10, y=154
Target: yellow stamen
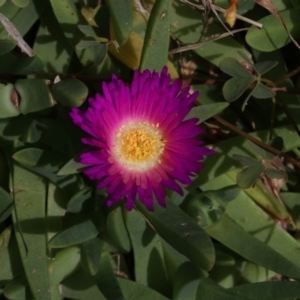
x=138, y=145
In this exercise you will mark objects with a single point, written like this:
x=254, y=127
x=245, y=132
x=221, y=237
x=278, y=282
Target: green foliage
x=232, y=235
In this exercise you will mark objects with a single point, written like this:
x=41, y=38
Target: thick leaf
x=34, y=157
x=34, y=94
x=30, y=229
x=235, y=87
x=70, y=92
x=106, y=279
x=204, y=112
x=6, y=204
x=71, y=167
x=64, y=264
x=78, y=201
x=262, y=92
x=264, y=197
x=74, y=235
x=224, y=195
x=147, y=252
x=21, y=3
x=15, y=65
x=91, y=253
x=156, y=44
x=182, y=233
x=116, y=230
x=273, y=35
x=249, y=176
x=230, y=234
x=82, y=288
x=121, y=14
x=17, y=289
x=209, y=290
x=186, y=281
x=6, y=46
x=268, y=290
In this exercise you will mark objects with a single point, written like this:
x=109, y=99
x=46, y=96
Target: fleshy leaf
x=70, y=92
x=180, y=231
x=156, y=43
x=74, y=235
x=121, y=15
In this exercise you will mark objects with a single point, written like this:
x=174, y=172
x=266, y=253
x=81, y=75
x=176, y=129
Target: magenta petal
x=154, y=103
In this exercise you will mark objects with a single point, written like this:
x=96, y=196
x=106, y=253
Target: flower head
x=141, y=143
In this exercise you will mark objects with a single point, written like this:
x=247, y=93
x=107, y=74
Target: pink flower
x=141, y=143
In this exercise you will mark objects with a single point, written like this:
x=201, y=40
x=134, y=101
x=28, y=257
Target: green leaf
x=106, y=279
x=71, y=167
x=121, y=16
x=273, y=35
x=268, y=290
x=74, y=235
x=265, y=198
x=88, y=30
x=32, y=134
x=156, y=43
x=116, y=230
x=6, y=45
x=247, y=160
x=182, y=233
x=245, y=57
x=204, y=112
x=34, y=94
x=15, y=65
x=275, y=174
x=64, y=264
x=34, y=157
x=70, y=92
x=91, y=253
x=249, y=176
x=232, y=235
x=2, y=2
x=186, y=281
x=262, y=92
x=82, y=288
x=20, y=3
x=264, y=67
x=147, y=252
x=31, y=230
x=209, y=290
x=232, y=67
x=17, y=289
x=6, y=205
x=235, y=87
x=76, y=203
x=224, y=195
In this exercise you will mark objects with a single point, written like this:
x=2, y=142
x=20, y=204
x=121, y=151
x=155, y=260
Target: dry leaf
x=230, y=13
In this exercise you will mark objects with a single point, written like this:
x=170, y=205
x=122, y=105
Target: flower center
x=138, y=145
